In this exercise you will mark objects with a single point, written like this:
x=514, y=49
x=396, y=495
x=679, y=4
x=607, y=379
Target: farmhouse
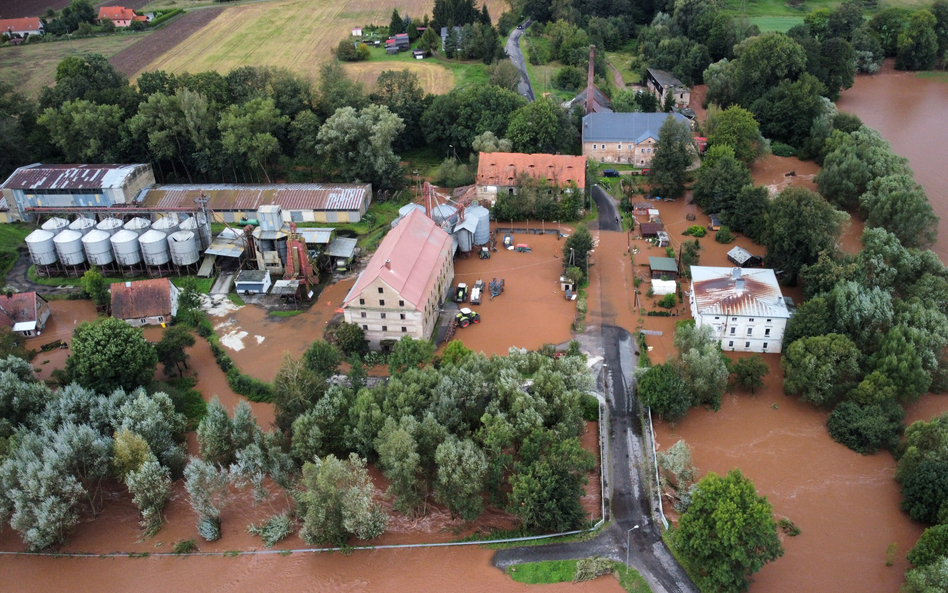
x=650, y=230
x=21, y=28
x=25, y=313
x=75, y=185
x=145, y=302
x=745, y=308
x=498, y=172
x=402, y=288
x=299, y=202
x=623, y=137
x=120, y=16
x=660, y=82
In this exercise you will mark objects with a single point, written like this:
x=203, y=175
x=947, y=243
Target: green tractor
x=466, y=317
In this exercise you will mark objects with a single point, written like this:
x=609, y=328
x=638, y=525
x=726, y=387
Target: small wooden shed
x=649, y=230
x=661, y=267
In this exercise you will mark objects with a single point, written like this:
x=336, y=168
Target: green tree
x=925, y=490
x=397, y=25
x=535, y=127
x=296, y=389
x=129, y=452
x=207, y=487
x=791, y=245
x=931, y=547
x=701, y=363
x=402, y=93
x=663, y=390
x=765, y=61
x=931, y=578
x=322, y=358
x=576, y=250
x=748, y=211
x=451, y=43
x=900, y=206
x=85, y=132
x=786, y=112
x=430, y=41
x=728, y=532
x=749, y=372
x=150, y=486
x=673, y=155
x=821, y=369
x=898, y=360
x=250, y=130
x=737, y=128
x=358, y=145
x=215, y=435
x=719, y=183
x=111, y=355
x=153, y=417
x=336, y=502
x=161, y=120
x=348, y=338
x=866, y=428
x=462, y=468
x=409, y=353
x=852, y=161
x=918, y=43
x=401, y=463
x=171, y=349
x=93, y=284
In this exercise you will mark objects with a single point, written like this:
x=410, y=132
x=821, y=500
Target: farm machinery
x=461, y=294
x=496, y=288
x=477, y=292
x=466, y=317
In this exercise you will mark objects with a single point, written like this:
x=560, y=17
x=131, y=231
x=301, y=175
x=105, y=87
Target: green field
x=622, y=61
x=541, y=76
x=781, y=24
x=771, y=8
x=32, y=67
x=562, y=571
x=437, y=74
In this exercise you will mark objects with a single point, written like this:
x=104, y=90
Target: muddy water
x=909, y=112
x=64, y=316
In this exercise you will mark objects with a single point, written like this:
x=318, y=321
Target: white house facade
x=745, y=308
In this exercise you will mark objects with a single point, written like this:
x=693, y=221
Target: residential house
x=650, y=230
x=660, y=82
x=498, y=172
x=745, y=308
x=299, y=202
x=25, y=313
x=39, y=185
x=663, y=267
x=402, y=41
x=401, y=290
x=623, y=137
x=145, y=302
x=120, y=16
x=357, y=31
x=21, y=28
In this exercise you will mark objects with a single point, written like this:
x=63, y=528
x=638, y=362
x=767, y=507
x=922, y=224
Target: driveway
x=516, y=56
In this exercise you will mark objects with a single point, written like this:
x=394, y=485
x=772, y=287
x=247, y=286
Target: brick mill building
x=623, y=137
x=403, y=286
x=745, y=308
x=498, y=172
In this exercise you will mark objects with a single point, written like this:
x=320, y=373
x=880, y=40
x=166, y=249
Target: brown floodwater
x=64, y=316
x=909, y=112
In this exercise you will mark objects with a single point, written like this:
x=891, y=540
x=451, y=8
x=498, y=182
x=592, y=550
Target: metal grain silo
x=82, y=224
x=202, y=232
x=482, y=215
x=184, y=248
x=110, y=225
x=154, y=246
x=444, y=212
x=138, y=225
x=464, y=240
x=42, y=250
x=56, y=225
x=125, y=247
x=166, y=224
x=69, y=248
x=98, y=248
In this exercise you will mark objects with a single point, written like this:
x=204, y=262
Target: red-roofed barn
x=25, y=313
x=500, y=171
x=119, y=15
x=145, y=302
x=402, y=288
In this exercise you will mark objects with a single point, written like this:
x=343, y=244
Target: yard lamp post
x=628, y=545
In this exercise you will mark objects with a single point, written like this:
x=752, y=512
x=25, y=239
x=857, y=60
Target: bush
x=253, y=389
x=865, y=429
x=184, y=546
x=164, y=17
x=724, y=235
x=781, y=149
x=275, y=529
x=789, y=527
x=590, y=408
x=668, y=301
x=348, y=51
x=453, y=173
x=569, y=78
x=696, y=231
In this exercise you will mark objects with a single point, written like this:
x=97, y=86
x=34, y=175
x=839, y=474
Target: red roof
x=144, y=298
x=502, y=168
x=415, y=250
x=30, y=23
x=18, y=308
x=119, y=13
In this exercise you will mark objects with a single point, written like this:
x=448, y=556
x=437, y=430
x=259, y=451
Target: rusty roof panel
x=296, y=196
x=143, y=298
x=34, y=177
x=736, y=291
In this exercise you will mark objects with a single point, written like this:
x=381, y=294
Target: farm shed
x=743, y=258
x=663, y=240
x=418, y=54
x=252, y=282
x=649, y=230
x=641, y=208
x=341, y=250
x=300, y=202
x=715, y=224
x=25, y=313
x=145, y=302
x=663, y=266
x=39, y=185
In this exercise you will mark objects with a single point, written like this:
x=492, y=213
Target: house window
x=733, y=330
x=730, y=344
x=750, y=331
x=747, y=344
x=620, y=147
x=365, y=327
x=363, y=315
x=384, y=328
x=142, y=320
x=716, y=318
x=767, y=333
x=404, y=329
x=765, y=345
x=402, y=315
x=401, y=303
x=643, y=151
x=594, y=147
x=383, y=315
x=751, y=319
x=733, y=318
x=769, y=320
x=380, y=290
x=381, y=302
x=361, y=301
x=27, y=333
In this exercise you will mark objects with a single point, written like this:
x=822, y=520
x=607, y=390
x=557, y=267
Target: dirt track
x=132, y=60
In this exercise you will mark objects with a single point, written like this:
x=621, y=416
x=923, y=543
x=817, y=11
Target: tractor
x=466, y=317
x=485, y=253
x=461, y=294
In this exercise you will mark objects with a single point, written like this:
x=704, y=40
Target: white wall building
x=745, y=308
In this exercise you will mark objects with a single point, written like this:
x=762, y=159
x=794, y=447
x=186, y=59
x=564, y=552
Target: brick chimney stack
x=590, y=86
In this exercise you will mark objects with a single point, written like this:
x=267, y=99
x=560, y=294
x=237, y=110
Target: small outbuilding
x=663, y=268
x=25, y=313
x=145, y=302
x=341, y=252
x=662, y=238
x=715, y=224
x=252, y=282
x=649, y=230
x=743, y=258
x=641, y=208
x=418, y=54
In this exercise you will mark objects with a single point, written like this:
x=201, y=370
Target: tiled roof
x=415, y=249
x=143, y=298
x=40, y=176
x=502, y=168
x=625, y=127
x=649, y=228
x=30, y=23
x=291, y=196
x=119, y=13
x=736, y=291
x=18, y=308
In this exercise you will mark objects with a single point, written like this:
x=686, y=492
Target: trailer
x=523, y=248
x=477, y=292
x=496, y=287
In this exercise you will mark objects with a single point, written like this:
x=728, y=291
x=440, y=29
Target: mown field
x=294, y=34
x=765, y=8
x=437, y=74
x=32, y=67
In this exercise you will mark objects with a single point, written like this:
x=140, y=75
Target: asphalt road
x=633, y=531
x=516, y=56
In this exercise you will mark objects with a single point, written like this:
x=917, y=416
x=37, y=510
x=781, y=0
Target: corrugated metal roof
x=663, y=264
x=734, y=291
x=666, y=79
x=316, y=236
x=341, y=247
x=502, y=168
x=416, y=250
x=294, y=196
x=70, y=176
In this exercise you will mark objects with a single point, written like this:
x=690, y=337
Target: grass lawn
x=781, y=24
x=433, y=73
x=285, y=313
x=622, y=61
x=70, y=280
x=541, y=76
x=562, y=571
x=32, y=67
x=425, y=160
x=11, y=237
x=759, y=8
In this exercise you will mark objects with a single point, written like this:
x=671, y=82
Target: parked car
x=610, y=173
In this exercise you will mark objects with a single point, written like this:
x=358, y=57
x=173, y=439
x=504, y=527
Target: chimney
x=388, y=264
x=590, y=87
x=740, y=284
x=736, y=273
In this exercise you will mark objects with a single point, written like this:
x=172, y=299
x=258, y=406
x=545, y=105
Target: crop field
x=133, y=59
x=32, y=67
x=435, y=78
x=294, y=34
